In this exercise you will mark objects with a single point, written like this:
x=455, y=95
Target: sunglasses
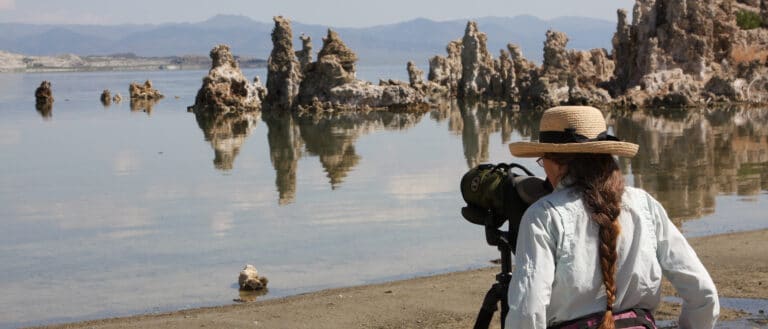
x=540, y=161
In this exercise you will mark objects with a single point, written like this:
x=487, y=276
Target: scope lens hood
x=475, y=215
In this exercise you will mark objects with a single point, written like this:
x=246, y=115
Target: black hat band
x=569, y=135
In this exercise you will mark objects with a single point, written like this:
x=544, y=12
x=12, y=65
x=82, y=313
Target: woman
x=592, y=253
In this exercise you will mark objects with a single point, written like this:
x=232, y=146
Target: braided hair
x=601, y=183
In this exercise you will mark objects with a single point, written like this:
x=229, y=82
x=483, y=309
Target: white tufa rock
x=249, y=279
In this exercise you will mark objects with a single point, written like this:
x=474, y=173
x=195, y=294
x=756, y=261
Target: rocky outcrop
x=335, y=48
x=476, y=64
x=446, y=71
x=330, y=83
x=294, y=81
x=688, y=53
x=590, y=72
x=362, y=94
x=143, y=97
x=283, y=69
x=555, y=54
x=117, y=98
x=144, y=91
x=523, y=67
x=261, y=91
x=44, y=99
x=249, y=279
x=305, y=54
x=525, y=71
x=504, y=81
x=417, y=82
x=335, y=66
x=623, y=54
x=668, y=34
x=415, y=75
x=549, y=86
x=565, y=76
x=673, y=54
x=591, y=67
x=225, y=88
x=570, y=76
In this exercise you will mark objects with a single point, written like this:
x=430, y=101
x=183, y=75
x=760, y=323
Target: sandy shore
x=738, y=263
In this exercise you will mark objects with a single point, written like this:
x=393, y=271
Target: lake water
x=109, y=211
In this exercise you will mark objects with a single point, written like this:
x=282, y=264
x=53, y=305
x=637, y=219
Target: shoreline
x=20, y=63
x=449, y=300
x=140, y=68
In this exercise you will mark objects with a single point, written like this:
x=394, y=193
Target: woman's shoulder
x=639, y=201
x=568, y=200
x=631, y=192
x=635, y=195
x=558, y=201
x=559, y=196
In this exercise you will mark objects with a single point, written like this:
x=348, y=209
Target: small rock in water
x=44, y=93
x=106, y=97
x=249, y=279
x=44, y=99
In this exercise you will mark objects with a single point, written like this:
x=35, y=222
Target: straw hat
x=573, y=129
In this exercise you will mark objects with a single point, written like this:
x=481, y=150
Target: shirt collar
x=565, y=182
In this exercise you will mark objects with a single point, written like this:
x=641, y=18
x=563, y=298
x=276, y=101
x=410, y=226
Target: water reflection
x=686, y=159
x=476, y=122
x=285, y=145
x=330, y=137
x=227, y=132
x=250, y=296
x=143, y=105
x=45, y=110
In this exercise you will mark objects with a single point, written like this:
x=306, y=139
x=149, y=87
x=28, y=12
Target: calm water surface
x=121, y=210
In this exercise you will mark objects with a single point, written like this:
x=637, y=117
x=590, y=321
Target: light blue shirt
x=557, y=275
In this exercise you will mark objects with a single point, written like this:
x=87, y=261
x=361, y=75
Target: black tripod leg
x=485, y=315
x=504, y=309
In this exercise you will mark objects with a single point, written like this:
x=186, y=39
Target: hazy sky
x=340, y=13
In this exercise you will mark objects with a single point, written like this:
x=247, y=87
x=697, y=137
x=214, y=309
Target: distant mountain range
x=416, y=40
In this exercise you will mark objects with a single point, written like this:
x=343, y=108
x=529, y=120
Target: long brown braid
x=602, y=185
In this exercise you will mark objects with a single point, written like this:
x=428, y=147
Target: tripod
x=491, y=201
x=498, y=291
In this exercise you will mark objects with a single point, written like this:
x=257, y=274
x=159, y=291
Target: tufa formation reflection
x=690, y=157
x=330, y=137
x=226, y=132
x=694, y=156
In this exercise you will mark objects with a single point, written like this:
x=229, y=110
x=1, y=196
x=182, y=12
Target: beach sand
x=738, y=263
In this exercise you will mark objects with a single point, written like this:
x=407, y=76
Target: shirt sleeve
x=531, y=285
x=687, y=274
